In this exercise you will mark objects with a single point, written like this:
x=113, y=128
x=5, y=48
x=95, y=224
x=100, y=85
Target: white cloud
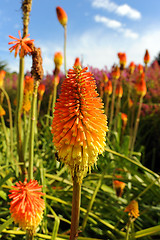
x=106, y=4
x=123, y=10
x=116, y=25
x=108, y=22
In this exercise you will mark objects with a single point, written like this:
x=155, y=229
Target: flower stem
x=112, y=103
x=49, y=108
x=18, y=111
x=65, y=42
x=136, y=124
x=91, y=202
x=54, y=97
x=76, y=199
x=32, y=130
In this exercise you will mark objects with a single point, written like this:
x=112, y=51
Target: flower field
x=79, y=148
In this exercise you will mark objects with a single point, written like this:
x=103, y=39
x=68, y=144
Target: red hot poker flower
x=132, y=209
x=27, y=205
x=119, y=186
x=77, y=62
x=41, y=90
x=79, y=125
x=21, y=44
x=146, y=57
x=122, y=59
x=62, y=16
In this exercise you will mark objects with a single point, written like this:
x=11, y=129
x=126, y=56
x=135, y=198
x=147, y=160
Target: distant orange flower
x=79, y=125
x=21, y=44
x=124, y=120
x=146, y=57
x=108, y=87
x=58, y=59
x=77, y=62
x=56, y=80
x=26, y=101
x=2, y=111
x=130, y=103
x=62, y=16
x=29, y=84
x=115, y=72
x=119, y=90
x=2, y=76
x=140, y=68
x=119, y=186
x=122, y=59
x=132, y=209
x=27, y=205
x=140, y=85
x=41, y=90
x=132, y=67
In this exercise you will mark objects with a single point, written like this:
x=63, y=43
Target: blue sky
x=97, y=30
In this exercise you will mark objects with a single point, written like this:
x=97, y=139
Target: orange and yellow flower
x=2, y=76
x=115, y=72
x=28, y=84
x=27, y=205
x=132, y=209
x=21, y=44
x=124, y=120
x=130, y=103
x=41, y=90
x=140, y=68
x=108, y=87
x=140, y=86
x=79, y=125
x=119, y=90
x=132, y=67
x=122, y=59
x=2, y=111
x=58, y=59
x=146, y=57
x=62, y=16
x=119, y=186
x=26, y=101
x=77, y=62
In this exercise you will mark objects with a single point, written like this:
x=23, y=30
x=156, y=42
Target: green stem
x=65, y=42
x=106, y=104
x=117, y=111
x=38, y=108
x=91, y=202
x=18, y=112
x=32, y=130
x=76, y=199
x=10, y=122
x=128, y=229
x=49, y=108
x=6, y=137
x=29, y=236
x=112, y=104
x=54, y=97
x=136, y=124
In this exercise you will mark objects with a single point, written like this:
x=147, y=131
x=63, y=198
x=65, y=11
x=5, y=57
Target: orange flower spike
x=130, y=103
x=29, y=84
x=140, y=86
x=2, y=111
x=122, y=60
x=146, y=57
x=41, y=90
x=62, y=16
x=79, y=125
x=140, y=68
x=124, y=120
x=132, y=67
x=119, y=186
x=108, y=87
x=26, y=101
x=58, y=59
x=77, y=62
x=2, y=76
x=132, y=209
x=27, y=205
x=119, y=91
x=21, y=44
x=56, y=80
x=115, y=72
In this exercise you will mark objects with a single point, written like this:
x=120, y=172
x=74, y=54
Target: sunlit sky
x=97, y=30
